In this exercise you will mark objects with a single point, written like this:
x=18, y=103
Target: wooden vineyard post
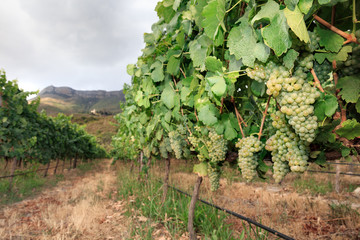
x=13, y=167
x=166, y=180
x=194, y=198
x=56, y=166
x=337, y=177
x=47, y=169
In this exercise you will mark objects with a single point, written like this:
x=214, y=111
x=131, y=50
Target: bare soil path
x=80, y=207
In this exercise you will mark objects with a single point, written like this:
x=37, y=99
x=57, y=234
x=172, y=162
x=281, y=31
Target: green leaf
x=291, y=4
x=201, y=169
x=350, y=129
x=350, y=88
x=305, y=5
x=173, y=66
x=268, y=11
x=357, y=106
x=213, y=14
x=207, y=114
x=234, y=65
x=230, y=132
x=258, y=88
x=330, y=40
x=276, y=34
x=342, y=55
x=197, y=54
x=295, y=19
x=243, y=44
x=321, y=159
x=219, y=88
x=345, y=151
x=290, y=58
x=130, y=69
x=213, y=64
x=326, y=106
x=168, y=97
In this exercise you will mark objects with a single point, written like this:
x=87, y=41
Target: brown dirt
x=78, y=208
x=301, y=216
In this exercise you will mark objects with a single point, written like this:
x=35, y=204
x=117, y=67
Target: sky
x=82, y=44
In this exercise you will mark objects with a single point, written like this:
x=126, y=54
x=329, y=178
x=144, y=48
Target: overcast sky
x=83, y=44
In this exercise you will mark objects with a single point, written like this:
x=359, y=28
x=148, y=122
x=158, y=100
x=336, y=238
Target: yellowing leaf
x=296, y=22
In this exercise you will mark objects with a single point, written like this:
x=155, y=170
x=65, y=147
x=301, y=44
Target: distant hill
x=67, y=100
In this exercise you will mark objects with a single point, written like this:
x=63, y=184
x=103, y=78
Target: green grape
x=324, y=73
x=294, y=95
x=247, y=160
x=178, y=143
x=352, y=65
x=287, y=149
x=214, y=177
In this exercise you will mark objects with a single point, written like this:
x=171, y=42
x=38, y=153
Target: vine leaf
x=219, y=88
x=168, y=97
x=200, y=169
x=198, y=51
x=305, y=5
x=350, y=129
x=276, y=34
x=330, y=40
x=295, y=19
x=130, y=69
x=157, y=74
x=213, y=21
x=357, y=106
x=213, y=64
x=243, y=44
x=350, y=88
x=342, y=55
x=207, y=114
x=173, y=66
x=325, y=106
x=289, y=58
x=258, y=88
x=291, y=4
x=230, y=133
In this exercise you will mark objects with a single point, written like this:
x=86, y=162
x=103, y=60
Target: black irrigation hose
x=276, y=233
x=342, y=163
x=350, y=174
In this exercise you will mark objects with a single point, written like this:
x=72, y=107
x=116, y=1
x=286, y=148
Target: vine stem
x=197, y=119
x=241, y=119
x=264, y=116
x=222, y=105
x=183, y=73
x=238, y=117
x=233, y=6
x=349, y=38
x=316, y=79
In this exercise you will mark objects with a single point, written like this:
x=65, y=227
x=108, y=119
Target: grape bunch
x=324, y=73
x=178, y=144
x=215, y=144
x=352, y=65
x=165, y=147
x=294, y=95
x=314, y=42
x=211, y=147
x=214, y=174
x=147, y=152
x=247, y=160
x=287, y=149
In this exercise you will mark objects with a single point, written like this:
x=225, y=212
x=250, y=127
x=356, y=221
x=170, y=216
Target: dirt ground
x=78, y=208
x=84, y=207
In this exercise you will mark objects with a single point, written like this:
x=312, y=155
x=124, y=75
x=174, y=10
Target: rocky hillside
x=67, y=100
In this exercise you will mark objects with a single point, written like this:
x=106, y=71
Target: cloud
x=84, y=44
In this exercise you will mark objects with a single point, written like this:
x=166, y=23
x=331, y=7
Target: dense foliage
x=212, y=70
x=29, y=136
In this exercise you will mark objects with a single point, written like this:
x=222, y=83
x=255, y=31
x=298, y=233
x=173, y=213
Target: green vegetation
x=313, y=186
x=145, y=198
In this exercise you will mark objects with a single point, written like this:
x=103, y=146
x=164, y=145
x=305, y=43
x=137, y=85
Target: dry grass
x=303, y=216
x=79, y=208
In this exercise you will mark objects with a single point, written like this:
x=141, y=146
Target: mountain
x=67, y=100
